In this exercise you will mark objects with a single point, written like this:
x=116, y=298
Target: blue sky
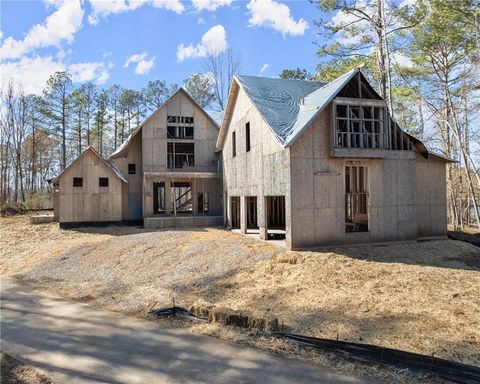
x=158, y=39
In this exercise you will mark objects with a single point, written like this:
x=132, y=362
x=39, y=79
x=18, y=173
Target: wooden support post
x=262, y=216
x=335, y=125
x=349, y=140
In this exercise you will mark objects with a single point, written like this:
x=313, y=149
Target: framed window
x=180, y=127
x=132, y=169
x=203, y=203
x=159, y=197
x=180, y=155
x=103, y=181
x=356, y=198
x=247, y=136
x=234, y=144
x=182, y=199
x=359, y=126
x=179, y=132
x=78, y=181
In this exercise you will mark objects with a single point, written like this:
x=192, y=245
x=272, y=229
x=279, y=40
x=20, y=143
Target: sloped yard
x=422, y=297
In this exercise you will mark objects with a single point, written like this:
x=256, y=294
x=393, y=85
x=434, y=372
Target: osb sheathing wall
x=318, y=192
x=132, y=196
x=263, y=171
x=154, y=142
x=154, y=136
x=90, y=202
x=431, y=197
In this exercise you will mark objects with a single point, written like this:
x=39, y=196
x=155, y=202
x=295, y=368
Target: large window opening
x=359, y=126
x=179, y=127
x=159, y=197
x=356, y=198
x=247, y=137
x=182, y=199
x=179, y=132
x=235, y=212
x=180, y=155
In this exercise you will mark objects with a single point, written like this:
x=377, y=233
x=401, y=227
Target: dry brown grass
x=422, y=297
x=14, y=372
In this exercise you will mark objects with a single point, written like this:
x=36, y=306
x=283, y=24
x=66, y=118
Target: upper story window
x=180, y=119
x=180, y=155
x=177, y=132
x=132, y=169
x=78, y=181
x=247, y=136
x=360, y=124
x=234, y=144
x=180, y=127
x=103, y=181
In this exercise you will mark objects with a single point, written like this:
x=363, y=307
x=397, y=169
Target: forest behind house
x=422, y=57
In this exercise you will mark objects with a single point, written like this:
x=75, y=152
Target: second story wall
x=178, y=151
x=264, y=168
x=131, y=167
x=319, y=195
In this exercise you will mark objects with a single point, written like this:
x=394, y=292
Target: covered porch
x=182, y=199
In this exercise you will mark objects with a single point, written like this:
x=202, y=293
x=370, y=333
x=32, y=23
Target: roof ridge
x=281, y=79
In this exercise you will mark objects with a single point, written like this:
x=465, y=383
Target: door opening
x=235, y=212
x=275, y=217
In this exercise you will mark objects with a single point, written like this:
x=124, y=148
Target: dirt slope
x=421, y=297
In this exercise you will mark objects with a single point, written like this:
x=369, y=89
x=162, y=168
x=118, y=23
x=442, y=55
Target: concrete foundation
x=183, y=222
x=42, y=219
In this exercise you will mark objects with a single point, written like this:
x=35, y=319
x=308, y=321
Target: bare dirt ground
x=14, y=372
x=421, y=297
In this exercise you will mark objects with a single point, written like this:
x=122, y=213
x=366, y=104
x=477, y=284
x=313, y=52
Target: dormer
x=362, y=126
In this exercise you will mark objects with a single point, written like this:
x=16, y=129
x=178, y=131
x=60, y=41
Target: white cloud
x=103, y=8
x=103, y=77
x=399, y=58
x=135, y=58
x=210, y=5
x=143, y=65
x=34, y=72
x=201, y=20
x=275, y=15
x=213, y=42
x=60, y=26
x=263, y=69
x=82, y=72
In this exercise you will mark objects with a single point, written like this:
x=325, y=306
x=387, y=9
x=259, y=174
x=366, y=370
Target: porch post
x=194, y=197
x=243, y=214
x=262, y=217
x=168, y=197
